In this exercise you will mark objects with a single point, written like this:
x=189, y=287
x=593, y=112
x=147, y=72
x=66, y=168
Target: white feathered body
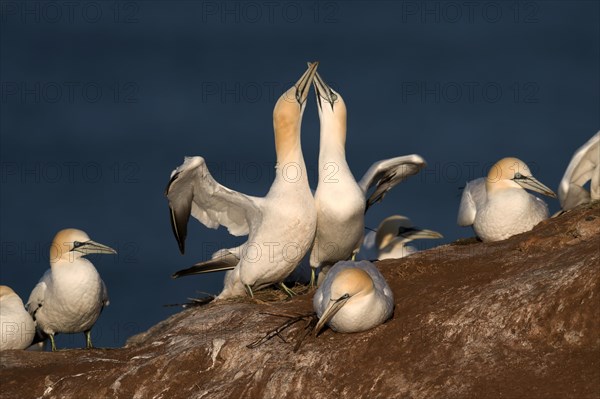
x=69, y=297
x=17, y=328
x=358, y=314
x=285, y=233
x=340, y=220
x=499, y=216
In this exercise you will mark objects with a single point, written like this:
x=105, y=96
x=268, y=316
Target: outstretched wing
x=387, y=173
x=584, y=166
x=192, y=190
x=473, y=196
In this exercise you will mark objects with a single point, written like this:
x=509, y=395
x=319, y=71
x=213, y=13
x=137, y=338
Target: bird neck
x=332, y=147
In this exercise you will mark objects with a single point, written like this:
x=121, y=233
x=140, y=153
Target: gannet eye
x=518, y=176
x=77, y=244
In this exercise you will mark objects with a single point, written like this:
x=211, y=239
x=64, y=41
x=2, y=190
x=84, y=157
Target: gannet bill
x=353, y=297
x=391, y=239
x=70, y=295
x=342, y=202
x=584, y=167
x=280, y=226
x=498, y=206
x=17, y=328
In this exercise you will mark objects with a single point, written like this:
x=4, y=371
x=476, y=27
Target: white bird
x=584, y=167
x=17, y=328
x=70, y=295
x=354, y=297
x=280, y=226
x=498, y=206
x=391, y=239
x=341, y=202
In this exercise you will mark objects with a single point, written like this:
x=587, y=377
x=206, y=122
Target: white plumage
x=584, y=167
x=498, y=206
x=340, y=201
x=280, y=226
x=70, y=295
x=353, y=297
x=391, y=239
x=17, y=328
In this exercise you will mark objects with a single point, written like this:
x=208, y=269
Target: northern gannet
x=498, y=206
x=341, y=202
x=353, y=297
x=280, y=226
x=584, y=167
x=17, y=328
x=391, y=239
x=70, y=295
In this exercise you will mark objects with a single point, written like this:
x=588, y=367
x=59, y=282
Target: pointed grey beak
x=333, y=307
x=324, y=92
x=417, y=233
x=533, y=184
x=303, y=84
x=92, y=247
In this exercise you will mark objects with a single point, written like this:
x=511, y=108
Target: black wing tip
x=171, y=180
x=180, y=238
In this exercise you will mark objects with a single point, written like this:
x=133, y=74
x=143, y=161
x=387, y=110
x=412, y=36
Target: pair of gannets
x=17, y=328
x=331, y=224
x=390, y=239
x=70, y=295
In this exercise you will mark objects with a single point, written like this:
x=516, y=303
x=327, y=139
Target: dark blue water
x=101, y=100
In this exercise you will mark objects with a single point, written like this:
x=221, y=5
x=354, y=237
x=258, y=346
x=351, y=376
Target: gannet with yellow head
x=17, y=328
x=280, y=227
x=353, y=297
x=584, y=167
x=341, y=202
x=498, y=206
x=391, y=239
x=70, y=295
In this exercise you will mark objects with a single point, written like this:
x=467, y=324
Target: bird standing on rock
x=71, y=295
x=280, y=226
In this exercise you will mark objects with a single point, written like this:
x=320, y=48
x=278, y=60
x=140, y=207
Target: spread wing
x=473, y=196
x=387, y=173
x=584, y=166
x=192, y=190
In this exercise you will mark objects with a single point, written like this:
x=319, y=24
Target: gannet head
x=331, y=106
x=514, y=173
x=5, y=291
x=348, y=285
x=401, y=226
x=287, y=114
x=71, y=244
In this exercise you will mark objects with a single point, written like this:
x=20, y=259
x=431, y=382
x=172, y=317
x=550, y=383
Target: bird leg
x=52, y=344
x=88, y=339
x=312, y=277
x=287, y=290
